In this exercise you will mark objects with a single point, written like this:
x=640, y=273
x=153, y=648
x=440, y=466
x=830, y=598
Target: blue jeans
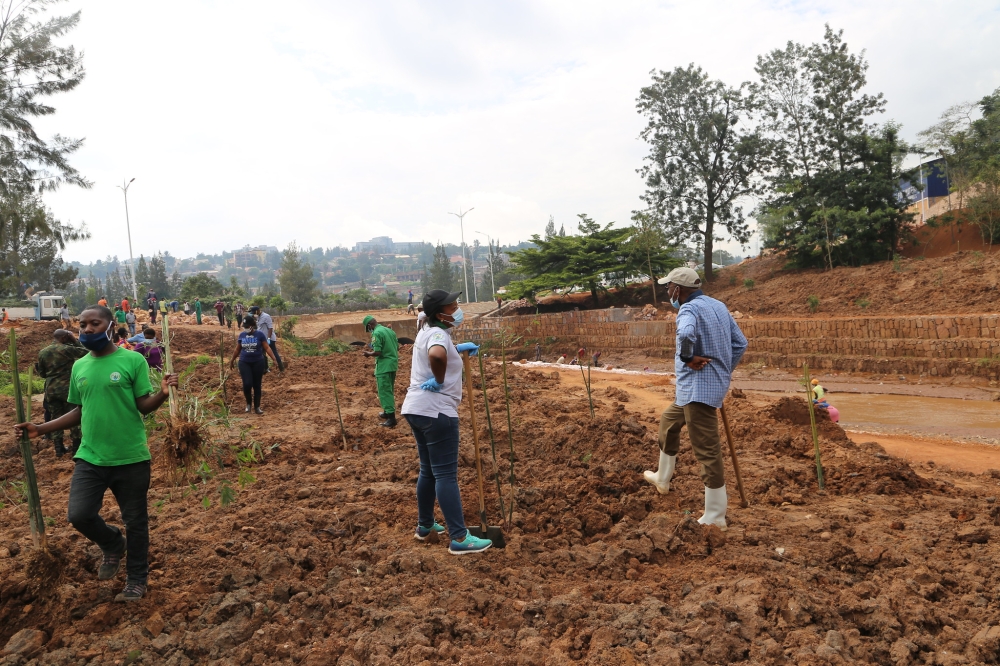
x=437, y=445
x=277, y=356
x=130, y=485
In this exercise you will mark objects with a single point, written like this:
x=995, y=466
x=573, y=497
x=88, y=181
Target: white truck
x=41, y=306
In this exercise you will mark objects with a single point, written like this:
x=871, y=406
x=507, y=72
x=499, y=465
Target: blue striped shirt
x=705, y=328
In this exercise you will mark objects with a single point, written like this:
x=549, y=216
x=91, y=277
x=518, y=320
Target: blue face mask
x=457, y=317
x=96, y=341
x=676, y=304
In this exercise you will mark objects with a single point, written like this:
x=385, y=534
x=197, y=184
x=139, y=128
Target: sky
x=324, y=122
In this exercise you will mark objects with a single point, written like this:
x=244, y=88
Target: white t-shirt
x=420, y=317
x=429, y=403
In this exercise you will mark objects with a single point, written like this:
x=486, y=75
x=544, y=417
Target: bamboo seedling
x=336, y=399
x=35, y=517
x=183, y=433
x=586, y=379
x=812, y=423
x=505, y=340
x=493, y=444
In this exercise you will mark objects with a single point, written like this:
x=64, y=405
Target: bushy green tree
x=596, y=255
x=158, y=280
x=834, y=179
x=297, y=282
x=201, y=286
x=705, y=151
x=31, y=240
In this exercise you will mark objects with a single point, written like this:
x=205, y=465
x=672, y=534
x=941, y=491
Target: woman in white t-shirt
x=431, y=409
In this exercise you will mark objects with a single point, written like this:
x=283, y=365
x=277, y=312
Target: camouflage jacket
x=55, y=363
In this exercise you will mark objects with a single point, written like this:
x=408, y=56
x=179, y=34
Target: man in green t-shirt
x=385, y=350
x=111, y=389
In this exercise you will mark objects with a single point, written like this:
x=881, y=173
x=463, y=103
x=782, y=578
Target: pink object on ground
x=834, y=413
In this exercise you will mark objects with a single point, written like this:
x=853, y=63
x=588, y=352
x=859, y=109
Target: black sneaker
x=132, y=592
x=258, y=411
x=383, y=415
x=390, y=422
x=110, y=565
x=248, y=408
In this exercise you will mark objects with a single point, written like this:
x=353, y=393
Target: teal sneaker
x=424, y=533
x=469, y=544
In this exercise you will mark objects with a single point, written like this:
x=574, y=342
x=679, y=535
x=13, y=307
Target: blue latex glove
x=432, y=385
x=470, y=347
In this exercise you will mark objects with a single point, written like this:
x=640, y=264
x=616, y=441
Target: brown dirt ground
x=314, y=563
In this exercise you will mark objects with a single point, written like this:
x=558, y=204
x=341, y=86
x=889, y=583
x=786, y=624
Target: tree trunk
x=709, y=228
x=593, y=292
x=652, y=277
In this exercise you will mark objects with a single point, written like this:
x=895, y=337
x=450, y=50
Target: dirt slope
x=315, y=563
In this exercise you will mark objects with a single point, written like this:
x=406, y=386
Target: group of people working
x=108, y=391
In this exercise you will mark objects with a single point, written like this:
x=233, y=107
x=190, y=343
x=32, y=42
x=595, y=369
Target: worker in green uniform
x=384, y=347
x=55, y=365
x=197, y=309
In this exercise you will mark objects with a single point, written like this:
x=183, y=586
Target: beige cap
x=684, y=277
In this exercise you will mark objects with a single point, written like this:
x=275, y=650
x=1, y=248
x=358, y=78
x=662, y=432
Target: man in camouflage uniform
x=55, y=363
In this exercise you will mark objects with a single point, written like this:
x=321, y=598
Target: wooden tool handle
x=736, y=463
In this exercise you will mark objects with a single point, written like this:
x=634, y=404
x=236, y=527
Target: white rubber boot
x=716, y=500
x=661, y=477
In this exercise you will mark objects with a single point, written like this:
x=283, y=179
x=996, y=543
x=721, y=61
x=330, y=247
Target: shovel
x=494, y=534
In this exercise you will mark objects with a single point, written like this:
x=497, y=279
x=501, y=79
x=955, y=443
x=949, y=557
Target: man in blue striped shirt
x=709, y=347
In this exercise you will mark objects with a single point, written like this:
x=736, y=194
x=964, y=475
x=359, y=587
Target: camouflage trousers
x=58, y=407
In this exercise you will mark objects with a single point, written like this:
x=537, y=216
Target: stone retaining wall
x=936, y=345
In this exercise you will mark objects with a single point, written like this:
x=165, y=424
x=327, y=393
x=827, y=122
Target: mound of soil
x=313, y=562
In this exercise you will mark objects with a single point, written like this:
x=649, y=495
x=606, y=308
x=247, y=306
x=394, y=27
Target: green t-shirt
x=120, y=316
x=385, y=343
x=106, y=388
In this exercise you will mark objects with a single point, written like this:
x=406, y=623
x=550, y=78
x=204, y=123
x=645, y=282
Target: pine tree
x=158, y=281
x=442, y=276
x=142, y=274
x=32, y=68
x=550, y=228
x=297, y=282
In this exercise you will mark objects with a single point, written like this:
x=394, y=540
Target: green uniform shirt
x=120, y=316
x=55, y=364
x=818, y=392
x=384, y=342
x=106, y=388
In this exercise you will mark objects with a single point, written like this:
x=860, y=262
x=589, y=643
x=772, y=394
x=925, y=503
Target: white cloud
x=332, y=122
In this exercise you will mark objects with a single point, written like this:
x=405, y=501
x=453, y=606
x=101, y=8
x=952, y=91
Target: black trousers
x=130, y=486
x=277, y=356
x=252, y=374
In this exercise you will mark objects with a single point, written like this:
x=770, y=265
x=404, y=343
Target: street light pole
x=492, y=279
x=461, y=224
x=128, y=228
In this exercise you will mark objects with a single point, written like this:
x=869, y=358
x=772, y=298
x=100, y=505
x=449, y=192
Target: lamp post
x=128, y=228
x=461, y=225
x=493, y=281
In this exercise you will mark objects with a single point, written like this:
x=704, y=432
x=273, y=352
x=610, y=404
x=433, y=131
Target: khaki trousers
x=703, y=429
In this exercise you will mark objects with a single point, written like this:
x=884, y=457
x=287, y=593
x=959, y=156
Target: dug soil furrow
x=314, y=562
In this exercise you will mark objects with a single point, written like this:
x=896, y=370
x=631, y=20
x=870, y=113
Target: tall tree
x=31, y=239
x=648, y=245
x=550, y=228
x=442, y=275
x=32, y=69
x=142, y=274
x=158, y=280
x=704, y=154
x=835, y=174
x=297, y=282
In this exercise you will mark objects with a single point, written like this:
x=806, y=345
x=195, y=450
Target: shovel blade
x=494, y=534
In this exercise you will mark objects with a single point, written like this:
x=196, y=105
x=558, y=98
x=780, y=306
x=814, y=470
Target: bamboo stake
x=812, y=422
x=510, y=428
x=168, y=365
x=493, y=445
x=336, y=398
x=586, y=381
x=35, y=518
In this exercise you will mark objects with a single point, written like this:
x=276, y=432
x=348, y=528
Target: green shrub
x=748, y=283
x=813, y=302
x=862, y=303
